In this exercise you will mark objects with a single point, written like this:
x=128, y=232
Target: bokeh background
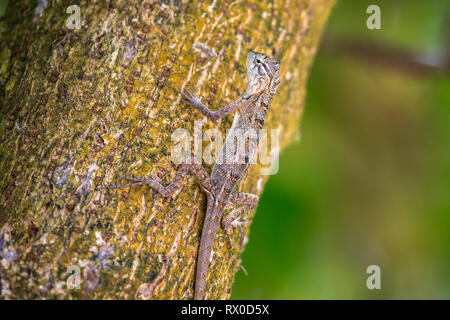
x=369, y=180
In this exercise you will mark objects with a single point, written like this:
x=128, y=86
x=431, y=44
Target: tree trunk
x=80, y=106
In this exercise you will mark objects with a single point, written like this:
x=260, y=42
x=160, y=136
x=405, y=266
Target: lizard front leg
x=195, y=102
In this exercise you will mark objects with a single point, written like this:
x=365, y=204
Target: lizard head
x=262, y=73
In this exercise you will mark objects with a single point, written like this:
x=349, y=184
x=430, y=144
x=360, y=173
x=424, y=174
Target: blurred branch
x=380, y=54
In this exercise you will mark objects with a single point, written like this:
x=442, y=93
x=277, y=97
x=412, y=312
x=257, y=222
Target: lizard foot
x=190, y=98
x=227, y=226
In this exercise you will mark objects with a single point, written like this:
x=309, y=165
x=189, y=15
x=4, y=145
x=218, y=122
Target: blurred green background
x=369, y=182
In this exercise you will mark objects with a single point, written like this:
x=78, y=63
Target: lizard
x=250, y=112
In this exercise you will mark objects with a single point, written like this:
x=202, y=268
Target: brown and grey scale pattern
x=77, y=107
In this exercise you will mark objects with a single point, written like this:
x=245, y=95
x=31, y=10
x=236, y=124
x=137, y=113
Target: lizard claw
x=189, y=93
x=236, y=224
x=230, y=240
x=189, y=98
x=185, y=94
x=178, y=91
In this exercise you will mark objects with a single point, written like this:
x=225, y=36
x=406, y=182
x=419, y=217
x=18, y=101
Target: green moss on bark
x=79, y=107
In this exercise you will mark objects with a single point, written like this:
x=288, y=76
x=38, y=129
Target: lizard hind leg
x=199, y=172
x=248, y=202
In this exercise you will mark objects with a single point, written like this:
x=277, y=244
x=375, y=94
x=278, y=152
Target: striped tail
x=212, y=220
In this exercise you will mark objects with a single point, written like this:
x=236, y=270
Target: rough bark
x=79, y=107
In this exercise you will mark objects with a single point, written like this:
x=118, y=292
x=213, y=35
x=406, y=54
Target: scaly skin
x=232, y=162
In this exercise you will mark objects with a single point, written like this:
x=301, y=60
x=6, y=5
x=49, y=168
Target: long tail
x=209, y=230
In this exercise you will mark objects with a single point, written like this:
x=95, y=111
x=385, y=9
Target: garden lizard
x=231, y=164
